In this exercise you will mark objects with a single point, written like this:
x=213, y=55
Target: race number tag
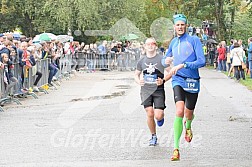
x=150, y=79
x=191, y=85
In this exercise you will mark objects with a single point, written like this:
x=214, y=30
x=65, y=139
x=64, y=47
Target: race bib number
x=191, y=85
x=150, y=79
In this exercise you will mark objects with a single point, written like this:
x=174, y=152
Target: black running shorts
x=156, y=98
x=190, y=99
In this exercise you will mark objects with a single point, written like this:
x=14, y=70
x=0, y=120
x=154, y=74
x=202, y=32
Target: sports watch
x=185, y=65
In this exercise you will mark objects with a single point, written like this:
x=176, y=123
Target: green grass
x=247, y=82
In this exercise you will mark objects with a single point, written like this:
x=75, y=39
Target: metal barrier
x=65, y=63
x=43, y=67
x=5, y=98
x=111, y=61
x=28, y=81
x=29, y=77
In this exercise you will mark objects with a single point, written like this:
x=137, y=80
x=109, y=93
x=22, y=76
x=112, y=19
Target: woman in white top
x=238, y=54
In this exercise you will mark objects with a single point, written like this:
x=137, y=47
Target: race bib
x=150, y=79
x=191, y=85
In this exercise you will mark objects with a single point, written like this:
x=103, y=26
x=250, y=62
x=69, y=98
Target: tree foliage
x=60, y=16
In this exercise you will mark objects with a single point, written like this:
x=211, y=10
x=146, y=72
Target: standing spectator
x=231, y=69
x=9, y=79
x=204, y=38
x=194, y=30
x=241, y=44
x=250, y=55
x=190, y=30
x=205, y=53
x=26, y=60
x=225, y=59
x=198, y=32
x=238, y=54
x=228, y=59
x=102, y=54
x=93, y=52
x=211, y=53
x=114, y=52
x=89, y=59
x=221, y=58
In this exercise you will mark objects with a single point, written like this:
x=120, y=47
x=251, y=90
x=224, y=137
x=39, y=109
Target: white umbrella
x=64, y=38
x=52, y=36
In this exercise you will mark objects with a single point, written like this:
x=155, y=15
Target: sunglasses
x=151, y=44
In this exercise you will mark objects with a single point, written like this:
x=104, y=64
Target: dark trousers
x=239, y=72
x=39, y=75
x=53, y=70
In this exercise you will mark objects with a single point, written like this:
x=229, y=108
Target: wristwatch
x=163, y=80
x=185, y=65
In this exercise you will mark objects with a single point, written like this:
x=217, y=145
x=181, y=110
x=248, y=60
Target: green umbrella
x=44, y=37
x=131, y=36
x=123, y=38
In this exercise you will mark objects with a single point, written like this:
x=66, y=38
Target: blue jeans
x=222, y=65
x=53, y=70
x=90, y=65
x=103, y=60
x=250, y=68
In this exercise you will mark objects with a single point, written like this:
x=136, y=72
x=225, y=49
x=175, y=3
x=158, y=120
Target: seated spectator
x=35, y=69
x=46, y=53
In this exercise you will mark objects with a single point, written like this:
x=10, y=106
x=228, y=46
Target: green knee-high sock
x=178, y=128
x=189, y=122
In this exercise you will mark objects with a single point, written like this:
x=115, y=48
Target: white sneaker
x=35, y=89
x=54, y=78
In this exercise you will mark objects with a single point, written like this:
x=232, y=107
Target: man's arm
x=167, y=77
x=200, y=58
x=137, y=78
x=167, y=57
x=250, y=48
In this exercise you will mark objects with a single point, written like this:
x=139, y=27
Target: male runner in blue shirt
x=188, y=56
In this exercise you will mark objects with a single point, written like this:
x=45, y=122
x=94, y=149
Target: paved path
x=96, y=120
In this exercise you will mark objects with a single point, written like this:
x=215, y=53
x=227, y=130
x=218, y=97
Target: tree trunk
x=28, y=26
x=220, y=20
x=232, y=22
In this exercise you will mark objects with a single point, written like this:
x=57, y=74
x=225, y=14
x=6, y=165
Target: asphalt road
x=95, y=119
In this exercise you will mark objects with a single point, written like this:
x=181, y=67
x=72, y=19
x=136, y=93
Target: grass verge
x=247, y=82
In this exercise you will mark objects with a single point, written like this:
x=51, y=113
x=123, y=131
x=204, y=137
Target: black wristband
x=163, y=80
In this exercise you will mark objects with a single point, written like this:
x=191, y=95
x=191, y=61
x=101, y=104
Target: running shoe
x=153, y=141
x=35, y=89
x=175, y=155
x=188, y=134
x=160, y=122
